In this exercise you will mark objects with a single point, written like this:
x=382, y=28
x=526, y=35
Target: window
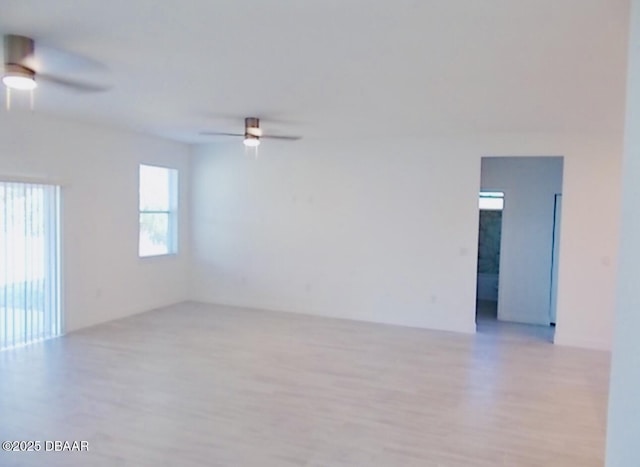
x=29, y=264
x=158, y=211
x=491, y=200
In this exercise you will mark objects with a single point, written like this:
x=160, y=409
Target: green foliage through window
x=158, y=205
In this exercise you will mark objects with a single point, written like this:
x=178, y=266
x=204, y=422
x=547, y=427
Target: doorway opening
x=29, y=264
x=518, y=246
x=491, y=204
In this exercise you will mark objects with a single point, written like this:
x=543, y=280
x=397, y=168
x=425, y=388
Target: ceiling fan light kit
x=251, y=141
x=19, y=78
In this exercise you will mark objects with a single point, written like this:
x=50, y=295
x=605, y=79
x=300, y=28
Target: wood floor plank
x=204, y=385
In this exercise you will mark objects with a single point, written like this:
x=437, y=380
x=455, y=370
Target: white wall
x=103, y=278
x=325, y=228
x=624, y=395
x=529, y=185
x=386, y=230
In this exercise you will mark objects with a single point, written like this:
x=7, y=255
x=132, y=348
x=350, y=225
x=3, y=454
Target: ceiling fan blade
x=286, y=138
x=50, y=59
x=217, y=133
x=73, y=84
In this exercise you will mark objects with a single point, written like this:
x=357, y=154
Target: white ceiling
x=335, y=67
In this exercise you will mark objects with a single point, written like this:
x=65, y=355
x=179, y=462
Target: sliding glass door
x=29, y=263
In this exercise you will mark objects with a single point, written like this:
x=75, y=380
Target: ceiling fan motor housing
x=252, y=122
x=252, y=128
x=19, y=70
x=16, y=50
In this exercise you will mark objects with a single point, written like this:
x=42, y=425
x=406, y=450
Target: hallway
x=487, y=323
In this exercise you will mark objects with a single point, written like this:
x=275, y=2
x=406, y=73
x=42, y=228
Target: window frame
x=491, y=195
x=171, y=212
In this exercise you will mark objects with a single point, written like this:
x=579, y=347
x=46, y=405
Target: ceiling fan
x=252, y=133
x=20, y=68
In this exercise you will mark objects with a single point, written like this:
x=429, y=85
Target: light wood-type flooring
x=487, y=323
x=203, y=385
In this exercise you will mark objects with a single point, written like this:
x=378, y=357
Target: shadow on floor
x=487, y=323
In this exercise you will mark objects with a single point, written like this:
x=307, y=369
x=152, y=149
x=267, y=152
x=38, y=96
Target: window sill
x=159, y=257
